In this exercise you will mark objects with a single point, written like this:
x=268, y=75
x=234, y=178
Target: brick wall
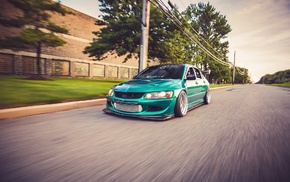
x=24, y=63
x=80, y=27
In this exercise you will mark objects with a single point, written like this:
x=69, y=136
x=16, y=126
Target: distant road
x=243, y=136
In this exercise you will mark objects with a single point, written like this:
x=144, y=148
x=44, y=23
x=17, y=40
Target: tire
x=207, y=97
x=181, y=106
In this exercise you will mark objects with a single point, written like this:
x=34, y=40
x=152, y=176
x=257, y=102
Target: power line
x=191, y=2
x=196, y=32
x=240, y=71
x=185, y=31
x=181, y=3
x=165, y=10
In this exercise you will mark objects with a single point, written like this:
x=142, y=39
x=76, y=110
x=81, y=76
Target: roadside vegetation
x=287, y=84
x=280, y=77
x=17, y=91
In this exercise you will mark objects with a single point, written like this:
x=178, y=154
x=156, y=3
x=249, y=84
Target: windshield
x=162, y=72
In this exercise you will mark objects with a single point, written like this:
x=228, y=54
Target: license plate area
x=128, y=107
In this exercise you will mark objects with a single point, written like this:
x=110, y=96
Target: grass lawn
x=16, y=91
x=287, y=84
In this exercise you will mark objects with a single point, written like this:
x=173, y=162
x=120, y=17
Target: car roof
x=186, y=65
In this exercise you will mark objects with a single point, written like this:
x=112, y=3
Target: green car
x=160, y=92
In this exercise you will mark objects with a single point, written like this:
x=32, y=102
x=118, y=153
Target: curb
x=41, y=109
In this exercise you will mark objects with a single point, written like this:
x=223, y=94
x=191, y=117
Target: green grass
x=287, y=84
x=18, y=91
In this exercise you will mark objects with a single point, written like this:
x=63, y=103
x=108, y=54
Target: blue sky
x=260, y=30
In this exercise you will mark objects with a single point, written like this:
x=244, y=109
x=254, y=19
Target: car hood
x=148, y=85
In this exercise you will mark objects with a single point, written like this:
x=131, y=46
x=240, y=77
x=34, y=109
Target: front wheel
x=207, y=97
x=181, y=106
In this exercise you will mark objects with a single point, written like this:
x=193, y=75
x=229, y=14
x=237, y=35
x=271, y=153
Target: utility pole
x=144, y=35
x=234, y=71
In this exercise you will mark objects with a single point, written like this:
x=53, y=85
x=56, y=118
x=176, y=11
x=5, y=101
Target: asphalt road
x=243, y=135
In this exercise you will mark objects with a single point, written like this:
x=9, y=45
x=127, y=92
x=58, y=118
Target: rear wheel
x=181, y=106
x=207, y=97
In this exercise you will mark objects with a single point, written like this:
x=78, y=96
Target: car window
x=162, y=72
x=190, y=73
x=197, y=72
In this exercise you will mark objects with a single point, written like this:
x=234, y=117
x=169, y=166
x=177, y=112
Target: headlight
x=111, y=92
x=159, y=95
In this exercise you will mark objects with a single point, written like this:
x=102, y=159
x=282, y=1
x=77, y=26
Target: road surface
x=243, y=136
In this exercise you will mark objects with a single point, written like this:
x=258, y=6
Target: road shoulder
x=41, y=109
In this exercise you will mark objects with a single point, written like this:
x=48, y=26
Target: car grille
x=129, y=95
x=128, y=107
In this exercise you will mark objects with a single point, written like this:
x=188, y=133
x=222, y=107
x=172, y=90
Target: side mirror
x=205, y=72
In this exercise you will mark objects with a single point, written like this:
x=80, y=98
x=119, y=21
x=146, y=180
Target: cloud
x=261, y=35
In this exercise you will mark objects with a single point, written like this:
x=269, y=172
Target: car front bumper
x=158, y=109
x=159, y=118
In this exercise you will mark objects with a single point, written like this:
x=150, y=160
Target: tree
x=123, y=32
x=37, y=30
x=179, y=47
x=241, y=75
x=278, y=77
x=212, y=28
x=167, y=42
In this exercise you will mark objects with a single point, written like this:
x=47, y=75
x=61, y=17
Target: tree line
x=278, y=77
x=121, y=35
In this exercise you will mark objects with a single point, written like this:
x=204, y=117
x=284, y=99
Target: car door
x=192, y=87
x=201, y=84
